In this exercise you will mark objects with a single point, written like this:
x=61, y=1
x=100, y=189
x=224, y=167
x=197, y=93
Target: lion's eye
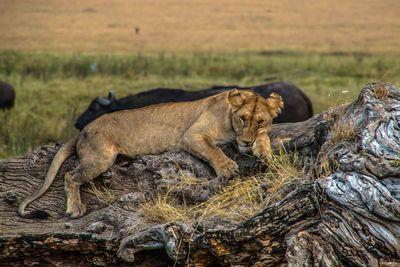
x=261, y=122
x=242, y=119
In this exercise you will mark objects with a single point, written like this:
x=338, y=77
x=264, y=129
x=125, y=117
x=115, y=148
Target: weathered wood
x=345, y=210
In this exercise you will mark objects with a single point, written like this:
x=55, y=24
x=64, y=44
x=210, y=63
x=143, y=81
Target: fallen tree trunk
x=343, y=210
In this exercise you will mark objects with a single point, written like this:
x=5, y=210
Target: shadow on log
x=345, y=210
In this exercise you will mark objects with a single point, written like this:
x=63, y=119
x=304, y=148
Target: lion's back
x=149, y=129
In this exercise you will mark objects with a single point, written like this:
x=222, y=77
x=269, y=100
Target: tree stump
x=343, y=211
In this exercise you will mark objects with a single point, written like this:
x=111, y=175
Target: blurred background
x=59, y=54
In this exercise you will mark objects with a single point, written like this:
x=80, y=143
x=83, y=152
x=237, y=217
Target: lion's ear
x=236, y=98
x=275, y=104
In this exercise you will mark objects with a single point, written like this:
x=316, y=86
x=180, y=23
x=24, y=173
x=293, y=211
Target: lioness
x=196, y=127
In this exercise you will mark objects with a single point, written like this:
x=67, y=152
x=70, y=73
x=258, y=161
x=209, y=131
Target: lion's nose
x=248, y=143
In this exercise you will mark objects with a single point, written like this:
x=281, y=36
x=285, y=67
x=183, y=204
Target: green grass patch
x=53, y=89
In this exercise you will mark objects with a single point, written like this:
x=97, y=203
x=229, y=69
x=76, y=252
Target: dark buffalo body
x=297, y=106
x=7, y=95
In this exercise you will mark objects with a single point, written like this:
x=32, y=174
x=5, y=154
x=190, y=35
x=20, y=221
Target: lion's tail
x=63, y=153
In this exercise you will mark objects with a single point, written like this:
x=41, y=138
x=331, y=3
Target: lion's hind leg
x=88, y=169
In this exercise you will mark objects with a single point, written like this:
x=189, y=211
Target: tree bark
x=343, y=210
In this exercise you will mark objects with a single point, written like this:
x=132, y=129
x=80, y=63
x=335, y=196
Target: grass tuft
x=326, y=168
x=238, y=201
x=164, y=209
x=343, y=129
x=282, y=169
x=380, y=91
x=103, y=193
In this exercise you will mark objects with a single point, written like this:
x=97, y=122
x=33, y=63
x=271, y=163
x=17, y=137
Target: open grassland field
x=206, y=25
x=60, y=54
x=53, y=89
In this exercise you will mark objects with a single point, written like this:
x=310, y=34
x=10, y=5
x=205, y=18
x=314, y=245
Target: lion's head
x=252, y=115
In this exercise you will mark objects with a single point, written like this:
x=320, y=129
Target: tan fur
x=196, y=127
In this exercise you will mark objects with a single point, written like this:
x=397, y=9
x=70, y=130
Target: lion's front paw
x=76, y=210
x=228, y=169
x=263, y=155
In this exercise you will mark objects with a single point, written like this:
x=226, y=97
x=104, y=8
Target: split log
x=343, y=210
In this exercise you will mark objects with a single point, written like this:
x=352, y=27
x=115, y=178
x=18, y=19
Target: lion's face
x=252, y=115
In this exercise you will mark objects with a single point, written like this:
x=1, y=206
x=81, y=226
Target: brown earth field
x=121, y=26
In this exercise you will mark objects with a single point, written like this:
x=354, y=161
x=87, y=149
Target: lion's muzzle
x=244, y=149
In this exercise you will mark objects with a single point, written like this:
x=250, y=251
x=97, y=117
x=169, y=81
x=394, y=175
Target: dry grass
x=380, y=91
x=163, y=209
x=325, y=168
x=341, y=127
x=395, y=163
x=343, y=130
x=178, y=25
x=102, y=193
x=282, y=170
x=239, y=200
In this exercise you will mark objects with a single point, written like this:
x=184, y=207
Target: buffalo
x=297, y=106
x=7, y=95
